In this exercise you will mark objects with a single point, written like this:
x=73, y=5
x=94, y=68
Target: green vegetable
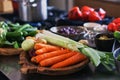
x=92, y=54
x=60, y=40
x=23, y=27
x=31, y=29
x=27, y=44
x=117, y=35
x=3, y=31
x=32, y=33
x=10, y=24
x=16, y=44
x=13, y=34
x=96, y=57
x=118, y=58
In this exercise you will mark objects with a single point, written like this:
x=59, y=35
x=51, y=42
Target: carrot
x=56, y=59
x=38, y=58
x=70, y=61
x=40, y=45
x=46, y=49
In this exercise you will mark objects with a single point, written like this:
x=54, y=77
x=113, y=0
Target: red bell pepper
x=87, y=8
x=75, y=14
x=102, y=13
x=94, y=16
x=86, y=14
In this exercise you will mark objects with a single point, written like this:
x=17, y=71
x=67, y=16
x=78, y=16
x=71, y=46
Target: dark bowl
x=104, y=44
x=73, y=32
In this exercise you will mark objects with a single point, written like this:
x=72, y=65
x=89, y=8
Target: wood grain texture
x=10, y=51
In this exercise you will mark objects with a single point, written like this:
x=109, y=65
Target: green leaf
x=118, y=58
x=16, y=45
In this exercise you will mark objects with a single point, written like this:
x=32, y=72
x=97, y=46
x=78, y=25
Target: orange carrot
x=38, y=58
x=46, y=49
x=56, y=59
x=40, y=45
x=70, y=61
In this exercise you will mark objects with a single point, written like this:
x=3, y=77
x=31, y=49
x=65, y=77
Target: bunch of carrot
x=55, y=57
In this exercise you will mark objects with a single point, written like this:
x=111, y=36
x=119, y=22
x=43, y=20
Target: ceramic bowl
x=104, y=41
x=73, y=32
x=91, y=25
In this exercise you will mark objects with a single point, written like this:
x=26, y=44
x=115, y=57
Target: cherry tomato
x=118, y=26
x=117, y=20
x=112, y=27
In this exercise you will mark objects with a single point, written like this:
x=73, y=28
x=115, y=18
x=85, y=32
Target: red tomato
x=117, y=20
x=94, y=16
x=87, y=8
x=118, y=26
x=102, y=13
x=75, y=14
x=112, y=27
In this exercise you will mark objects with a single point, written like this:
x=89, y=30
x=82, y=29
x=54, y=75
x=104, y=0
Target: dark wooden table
x=10, y=67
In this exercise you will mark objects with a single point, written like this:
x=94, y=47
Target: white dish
x=91, y=25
